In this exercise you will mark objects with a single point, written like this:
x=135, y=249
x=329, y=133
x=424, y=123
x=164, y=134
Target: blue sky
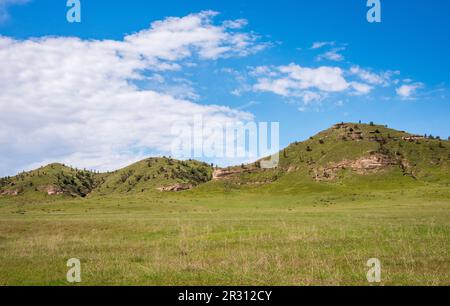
x=395, y=72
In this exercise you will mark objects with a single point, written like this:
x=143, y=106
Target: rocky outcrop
x=176, y=188
x=413, y=138
x=11, y=193
x=355, y=135
x=362, y=166
x=53, y=191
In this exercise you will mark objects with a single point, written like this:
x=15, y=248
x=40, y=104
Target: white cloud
x=408, y=91
x=240, y=78
x=309, y=84
x=75, y=101
x=294, y=79
x=311, y=96
x=236, y=92
x=361, y=88
x=282, y=87
x=248, y=105
x=262, y=71
x=314, y=84
x=321, y=44
x=235, y=24
x=323, y=78
x=175, y=38
x=332, y=55
x=382, y=78
x=317, y=84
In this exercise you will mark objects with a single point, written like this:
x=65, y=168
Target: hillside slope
x=350, y=152
x=54, y=179
x=150, y=175
x=156, y=174
x=345, y=154
x=365, y=149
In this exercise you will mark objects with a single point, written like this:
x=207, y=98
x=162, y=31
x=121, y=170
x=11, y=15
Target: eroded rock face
x=413, y=138
x=53, y=191
x=13, y=193
x=362, y=166
x=176, y=188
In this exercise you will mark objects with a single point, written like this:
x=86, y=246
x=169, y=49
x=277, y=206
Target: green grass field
x=236, y=238
x=346, y=195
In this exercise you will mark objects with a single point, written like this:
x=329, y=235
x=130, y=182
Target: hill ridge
x=343, y=151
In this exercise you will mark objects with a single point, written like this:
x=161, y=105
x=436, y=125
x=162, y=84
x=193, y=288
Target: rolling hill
x=52, y=180
x=153, y=174
x=156, y=175
x=349, y=151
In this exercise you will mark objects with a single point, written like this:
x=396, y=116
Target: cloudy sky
x=105, y=92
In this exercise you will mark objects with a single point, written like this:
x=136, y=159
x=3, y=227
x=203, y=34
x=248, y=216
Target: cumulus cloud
x=310, y=84
x=76, y=101
x=323, y=78
x=382, y=78
x=408, y=91
x=317, y=84
x=361, y=88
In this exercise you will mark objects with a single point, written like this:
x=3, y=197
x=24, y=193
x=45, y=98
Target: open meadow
x=230, y=238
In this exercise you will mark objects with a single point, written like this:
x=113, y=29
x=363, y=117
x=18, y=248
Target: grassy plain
x=222, y=235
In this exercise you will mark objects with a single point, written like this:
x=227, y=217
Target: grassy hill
x=52, y=180
x=367, y=149
x=344, y=155
x=348, y=154
x=148, y=175
x=153, y=174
